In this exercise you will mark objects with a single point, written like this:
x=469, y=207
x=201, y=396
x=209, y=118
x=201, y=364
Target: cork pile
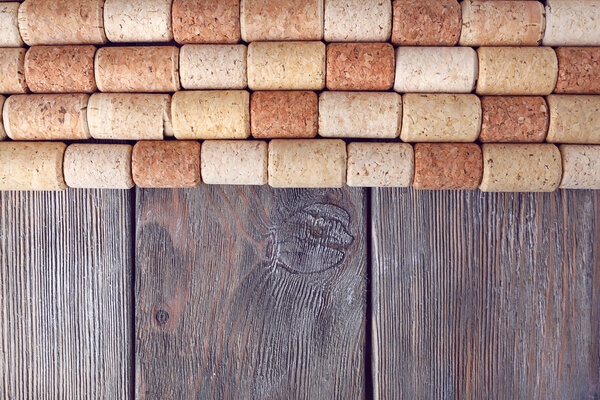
x=435, y=94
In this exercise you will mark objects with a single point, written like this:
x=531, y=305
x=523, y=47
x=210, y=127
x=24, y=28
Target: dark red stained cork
x=426, y=22
x=202, y=21
x=578, y=70
x=448, y=166
x=360, y=66
x=516, y=119
x=284, y=114
x=166, y=164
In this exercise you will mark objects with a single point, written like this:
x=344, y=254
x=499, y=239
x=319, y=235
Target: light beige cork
x=286, y=66
x=360, y=114
x=138, y=21
x=574, y=119
x=307, y=163
x=521, y=167
x=581, y=166
x=234, y=162
x=572, y=23
x=358, y=21
x=12, y=71
x=211, y=114
x=129, y=116
x=98, y=166
x=9, y=25
x=380, y=164
x=32, y=166
x=208, y=66
x=517, y=70
x=2, y=131
x=441, y=118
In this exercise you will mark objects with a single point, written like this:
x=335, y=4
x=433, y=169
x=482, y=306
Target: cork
x=12, y=71
x=286, y=66
x=307, y=163
x=218, y=66
x=129, y=116
x=574, y=119
x=31, y=166
x=60, y=69
x=2, y=131
x=360, y=115
x=284, y=114
x=581, y=167
x=578, y=70
x=517, y=119
x=166, y=164
x=137, y=69
x=572, y=23
x=441, y=118
x=234, y=162
x=263, y=20
x=62, y=22
x=357, y=21
x=426, y=22
x=9, y=25
x=447, y=166
x=46, y=117
x=138, y=20
x=211, y=114
x=380, y=164
x=435, y=69
x=360, y=66
x=517, y=70
x=98, y=166
x=201, y=21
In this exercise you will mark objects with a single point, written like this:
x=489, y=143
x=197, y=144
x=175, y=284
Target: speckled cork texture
x=307, y=163
x=574, y=119
x=9, y=25
x=447, y=166
x=517, y=119
x=62, y=22
x=264, y=20
x=357, y=21
x=380, y=164
x=60, y=69
x=572, y=23
x=12, y=71
x=578, y=70
x=172, y=164
x=137, y=69
x=360, y=66
x=129, y=116
x=2, y=131
x=286, y=66
x=206, y=66
x=46, y=117
x=426, y=22
x=284, y=114
x=201, y=21
x=31, y=166
x=435, y=69
x=138, y=20
x=374, y=115
x=517, y=70
x=581, y=167
x=234, y=162
x=211, y=114
x=98, y=166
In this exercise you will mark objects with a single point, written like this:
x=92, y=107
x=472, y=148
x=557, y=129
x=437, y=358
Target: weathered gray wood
x=479, y=296
x=65, y=305
x=250, y=293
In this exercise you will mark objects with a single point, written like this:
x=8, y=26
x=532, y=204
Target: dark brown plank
x=250, y=293
x=479, y=296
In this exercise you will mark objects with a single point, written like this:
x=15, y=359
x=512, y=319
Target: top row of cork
x=406, y=22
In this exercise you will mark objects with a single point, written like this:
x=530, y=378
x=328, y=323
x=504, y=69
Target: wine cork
x=166, y=164
x=574, y=119
x=206, y=66
x=357, y=21
x=517, y=119
x=211, y=114
x=2, y=131
x=234, y=162
x=360, y=66
x=286, y=66
x=9, y=25
x=441, y=118
x=578, y=70
x=98, y=166
x=572, y=23
x=307, y=163
x=513, y=167
x=285, y=114
x=138, y=20
x=12, y=71
x=262, y=20
x=581, y=167
x=31, y=166
x=137, y=69
x=60, y=69
x=426, y=22
x=201, y=21
x=380, y=164
x=517, y=70
x=46, y=117
x=129, y=116
x=447, y=166
x=361, y=115
x=435, y=69
x=62, y=22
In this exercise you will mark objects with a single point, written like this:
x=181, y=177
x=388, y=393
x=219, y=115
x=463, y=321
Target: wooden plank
x=480, y=296
x=250, y=293
x=65, y=300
